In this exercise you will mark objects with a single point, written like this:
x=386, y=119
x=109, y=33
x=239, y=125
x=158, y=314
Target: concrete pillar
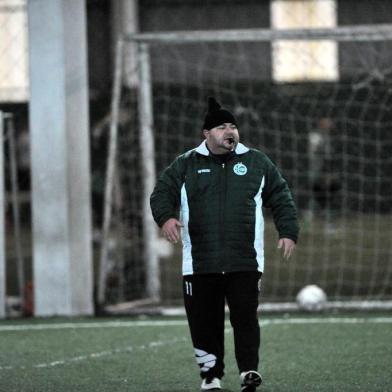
x=63, y=279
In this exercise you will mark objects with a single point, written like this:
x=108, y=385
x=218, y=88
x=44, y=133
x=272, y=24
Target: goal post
x=147, y=144
x=110, y=173
x=330, y=137
x=147, y=157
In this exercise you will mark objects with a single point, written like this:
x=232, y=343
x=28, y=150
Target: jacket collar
x=203, y=150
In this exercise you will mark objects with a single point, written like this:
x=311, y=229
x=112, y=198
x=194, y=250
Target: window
x=294, y=61
x=14, y=83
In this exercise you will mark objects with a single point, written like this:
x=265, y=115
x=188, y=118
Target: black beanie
x=216, y=115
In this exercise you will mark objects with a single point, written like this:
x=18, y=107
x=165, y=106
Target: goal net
x=317, y=101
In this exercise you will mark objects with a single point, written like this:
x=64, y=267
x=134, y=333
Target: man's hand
x=171, y=230
x=288, y=246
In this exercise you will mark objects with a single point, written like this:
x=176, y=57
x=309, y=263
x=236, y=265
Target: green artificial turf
x=322, y=355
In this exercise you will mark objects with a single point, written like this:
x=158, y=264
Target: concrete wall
x=252, y=58
x=357, y=58
x=207, y=62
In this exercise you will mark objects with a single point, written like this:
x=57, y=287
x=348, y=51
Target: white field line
x=101, y=324
x=99, y=354
x=327, y=320
x=126, y=324
x=168, y=323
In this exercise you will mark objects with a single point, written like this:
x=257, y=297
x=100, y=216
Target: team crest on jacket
x=240, y=169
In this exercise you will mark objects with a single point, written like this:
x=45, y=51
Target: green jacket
x=220, y=207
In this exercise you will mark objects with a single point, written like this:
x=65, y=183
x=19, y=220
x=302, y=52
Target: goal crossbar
x=381, y=32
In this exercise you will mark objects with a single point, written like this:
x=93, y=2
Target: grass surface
x=298, y=354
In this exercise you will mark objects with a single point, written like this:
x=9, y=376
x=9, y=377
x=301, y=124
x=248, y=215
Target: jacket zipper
x=223, y=207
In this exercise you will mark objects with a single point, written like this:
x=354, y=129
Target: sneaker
x=250, y=381
x=211, y=384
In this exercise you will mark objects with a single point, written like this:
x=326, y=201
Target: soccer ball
x=311, y=298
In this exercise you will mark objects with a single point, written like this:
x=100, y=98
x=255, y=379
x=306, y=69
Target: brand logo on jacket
x=240, y=169
x=204, y=171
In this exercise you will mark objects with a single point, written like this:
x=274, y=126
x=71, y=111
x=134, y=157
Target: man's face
x=222, y=139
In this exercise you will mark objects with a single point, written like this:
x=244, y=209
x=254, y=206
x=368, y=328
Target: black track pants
x=204, y=298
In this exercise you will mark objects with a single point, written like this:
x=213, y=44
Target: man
x=220, y=188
